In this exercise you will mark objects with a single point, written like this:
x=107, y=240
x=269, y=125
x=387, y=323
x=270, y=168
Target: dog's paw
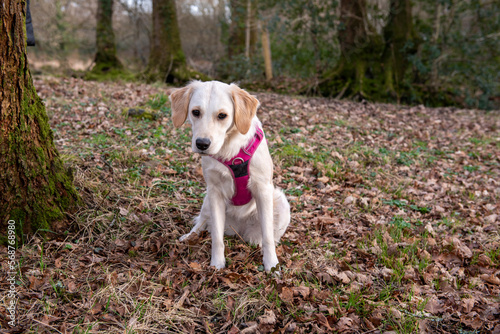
x=218, y=264
x=190, y=238
x=270, y=263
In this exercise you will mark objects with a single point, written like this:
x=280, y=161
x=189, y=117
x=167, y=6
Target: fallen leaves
x=434, y=305
x=490, y=219
x=492, y=279
x=457, y=247
x=394, y=221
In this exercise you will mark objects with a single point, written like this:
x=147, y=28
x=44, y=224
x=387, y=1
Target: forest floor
x=395, y=222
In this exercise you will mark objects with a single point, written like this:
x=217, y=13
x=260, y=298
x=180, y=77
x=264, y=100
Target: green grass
x=400, y=223
x=483, y=141
x=111, y=75
x=158, y=101
x=404, y=205
x=494, y=255
x=471, y=168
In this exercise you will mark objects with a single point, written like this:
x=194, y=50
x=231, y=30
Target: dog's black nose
x=202, y=143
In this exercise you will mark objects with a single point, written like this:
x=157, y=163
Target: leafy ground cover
x=395, y=222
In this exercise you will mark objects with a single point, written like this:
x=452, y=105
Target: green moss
x=48, y=192
x=107, y=72
x=140, y=113
x=184, y=74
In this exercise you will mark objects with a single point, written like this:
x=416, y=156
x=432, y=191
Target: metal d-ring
x=238, y=158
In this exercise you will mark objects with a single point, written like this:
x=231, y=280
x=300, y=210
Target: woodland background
x=449, y=49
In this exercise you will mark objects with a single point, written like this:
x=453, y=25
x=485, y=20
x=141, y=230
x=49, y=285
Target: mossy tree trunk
x=105, y=58
x=236, y=43
x=397, y=32
x=369, y=63
x=35, y=188
x=355, y=44
x=167, y=62
x=359, y=44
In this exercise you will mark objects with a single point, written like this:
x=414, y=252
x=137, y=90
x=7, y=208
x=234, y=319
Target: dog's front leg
x=200, y=222
x=218, y=215
x=264, y=201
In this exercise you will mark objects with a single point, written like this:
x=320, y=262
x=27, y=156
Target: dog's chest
x=218, y=176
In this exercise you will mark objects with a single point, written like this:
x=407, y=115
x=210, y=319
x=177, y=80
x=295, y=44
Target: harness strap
x=239, y=167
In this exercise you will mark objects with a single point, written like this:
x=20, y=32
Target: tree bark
x=105, y=58
x=248, y=26
x=371, y=66
x=35, y=188
x=359, y=45
x=266, y=51
x=397, y=31
x=236, y=43
x=353, y=35
x=167, y=62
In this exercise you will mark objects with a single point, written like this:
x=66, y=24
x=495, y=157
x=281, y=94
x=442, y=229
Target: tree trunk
x=35, y=188
x=248, y=26
x=236, y=43
x=397, y=32
x=354, y=40
x=243, y=32
x=167, y=62
x=353, y=35
x=359, y=45
x=266, y=51
x=105, y=58
x=370, y=64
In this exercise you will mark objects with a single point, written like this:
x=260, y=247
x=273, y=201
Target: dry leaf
x=490, y=219
x=301, y=291
x=491, y=279
x=344, y=324
x=323, y=321
x=286, y=295
x=195, y=266
x=468, y=304
x=349, y=200
x=123, y=211
x=324, y=179
x=269, y=318
x=433, y=305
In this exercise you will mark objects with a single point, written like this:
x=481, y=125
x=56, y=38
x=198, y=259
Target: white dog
x=237, y=168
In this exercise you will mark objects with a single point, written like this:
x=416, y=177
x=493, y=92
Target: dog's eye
x=221, y=116
x=196, y=113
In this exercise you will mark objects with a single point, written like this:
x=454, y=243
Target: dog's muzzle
x=203, y=143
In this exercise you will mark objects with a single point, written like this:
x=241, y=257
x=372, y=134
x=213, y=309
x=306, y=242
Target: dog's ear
x=180, y=104
x=245, y=108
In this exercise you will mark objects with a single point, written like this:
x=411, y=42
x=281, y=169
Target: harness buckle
x=237, y=159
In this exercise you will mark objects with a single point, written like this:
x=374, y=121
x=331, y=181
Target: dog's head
x=213, y=109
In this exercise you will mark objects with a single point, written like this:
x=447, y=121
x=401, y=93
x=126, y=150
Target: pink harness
x=239, y=167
